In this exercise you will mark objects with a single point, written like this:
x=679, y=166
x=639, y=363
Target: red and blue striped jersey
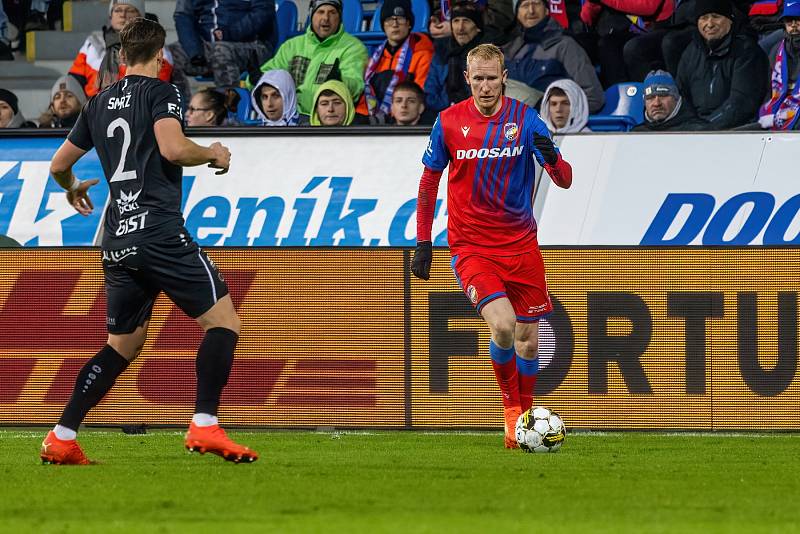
x=491, y=175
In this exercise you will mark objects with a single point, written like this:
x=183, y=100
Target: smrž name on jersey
x=119, y=103
x=495, y=152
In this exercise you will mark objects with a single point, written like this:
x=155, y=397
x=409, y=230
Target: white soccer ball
x=540, y=430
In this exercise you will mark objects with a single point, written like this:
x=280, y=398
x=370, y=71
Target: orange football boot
x=212, y=439
x=62, y=451
x=511, y=415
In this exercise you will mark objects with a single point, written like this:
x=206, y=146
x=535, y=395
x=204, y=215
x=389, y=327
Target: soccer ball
x=540, y=430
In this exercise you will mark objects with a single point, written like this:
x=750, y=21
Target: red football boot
x=62, y=451
x=511, y=415
x=212, y=439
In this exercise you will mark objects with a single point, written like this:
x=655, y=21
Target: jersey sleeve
x=538, y=127
x=436, y=155
x=165, y=101
x=80, y=136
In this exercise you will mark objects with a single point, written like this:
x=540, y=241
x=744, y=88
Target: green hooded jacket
x=340, y=89
x=311, y=63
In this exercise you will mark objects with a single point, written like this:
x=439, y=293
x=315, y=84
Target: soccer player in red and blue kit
x=490, y=142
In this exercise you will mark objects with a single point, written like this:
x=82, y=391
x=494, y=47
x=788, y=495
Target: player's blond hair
x=487, y=52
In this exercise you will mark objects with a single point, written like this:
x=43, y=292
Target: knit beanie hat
x=11, y=99
x=316, y=4
x=138, y=4
x=397, y=8
x=660, y=82
x=721, y=7
x=791, y=8
x=518, y=2
x=467, y=10
x=68, y=83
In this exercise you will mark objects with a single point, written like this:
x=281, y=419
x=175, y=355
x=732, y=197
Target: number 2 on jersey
x=121, y=175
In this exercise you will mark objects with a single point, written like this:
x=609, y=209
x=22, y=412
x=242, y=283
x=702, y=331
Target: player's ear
x=122, y=59
x=505, y=76
x=466, y=76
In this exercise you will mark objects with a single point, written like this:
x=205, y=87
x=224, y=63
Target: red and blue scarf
x=400, y=73
x=783, y=105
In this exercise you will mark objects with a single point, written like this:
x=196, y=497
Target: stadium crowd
x=699, y=64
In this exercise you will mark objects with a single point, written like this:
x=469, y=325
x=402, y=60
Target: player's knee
x=527, y=348
x=502, y=332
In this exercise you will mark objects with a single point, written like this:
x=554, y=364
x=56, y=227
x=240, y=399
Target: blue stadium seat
x=244, y=109
x=624, y=109
x=286, y=14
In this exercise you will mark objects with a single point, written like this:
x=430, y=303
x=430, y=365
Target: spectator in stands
x=10, y=115
x=207, y=108
x=446, y=83
x=723, y=72
x=565, y=108
x=542, y=53
x=5, y=41
x=97, y=64
x=333, y=105
x=408, y=104
x=782, y=109
x=66, y=101
x=498, y=15
x=402, y=56
x=324, y=52
x=223, y=37
x=664, y=108
x=617, y=22
x=275, y=100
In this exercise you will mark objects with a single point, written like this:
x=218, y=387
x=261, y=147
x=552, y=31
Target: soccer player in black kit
x=136, y=126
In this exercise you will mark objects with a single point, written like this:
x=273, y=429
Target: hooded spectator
x=10, y=116
x=324, y=52
x=542, y=53
x=97, y=64
x=274, y=99
x=565, y=108
x=333, y=105
x=402, y=56
x=664, y=108
x=723, y=72
x=782, y=110
x=66, y=101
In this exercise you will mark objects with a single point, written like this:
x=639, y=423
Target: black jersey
x=145, y=188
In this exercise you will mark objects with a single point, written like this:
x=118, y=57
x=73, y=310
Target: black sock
x=94, y=380
x=214, y=362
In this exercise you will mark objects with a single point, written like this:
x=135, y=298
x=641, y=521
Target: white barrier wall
x=629, y=189
x=698, y=189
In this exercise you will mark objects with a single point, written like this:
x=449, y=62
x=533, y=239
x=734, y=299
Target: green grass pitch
x=407, y=482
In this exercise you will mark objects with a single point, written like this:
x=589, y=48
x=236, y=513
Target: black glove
x=545, y=145
x=421, y=263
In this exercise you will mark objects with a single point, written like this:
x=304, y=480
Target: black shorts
x=135, y=275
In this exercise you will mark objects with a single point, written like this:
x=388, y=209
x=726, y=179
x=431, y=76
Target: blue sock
x=527, y=367
x=500, y=355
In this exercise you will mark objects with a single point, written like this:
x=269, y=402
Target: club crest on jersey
x=472, y=293
x=510, y=131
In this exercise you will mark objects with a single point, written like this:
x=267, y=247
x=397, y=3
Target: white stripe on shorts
x=210, y=278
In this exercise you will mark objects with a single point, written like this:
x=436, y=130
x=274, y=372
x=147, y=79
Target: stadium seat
x=244, y=109
x=286, y=13
x=624, y=109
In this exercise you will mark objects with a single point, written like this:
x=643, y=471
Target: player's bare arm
x=180, y=150
x=61, y=169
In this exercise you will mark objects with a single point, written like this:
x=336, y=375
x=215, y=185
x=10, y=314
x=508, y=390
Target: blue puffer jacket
x=241, y=21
